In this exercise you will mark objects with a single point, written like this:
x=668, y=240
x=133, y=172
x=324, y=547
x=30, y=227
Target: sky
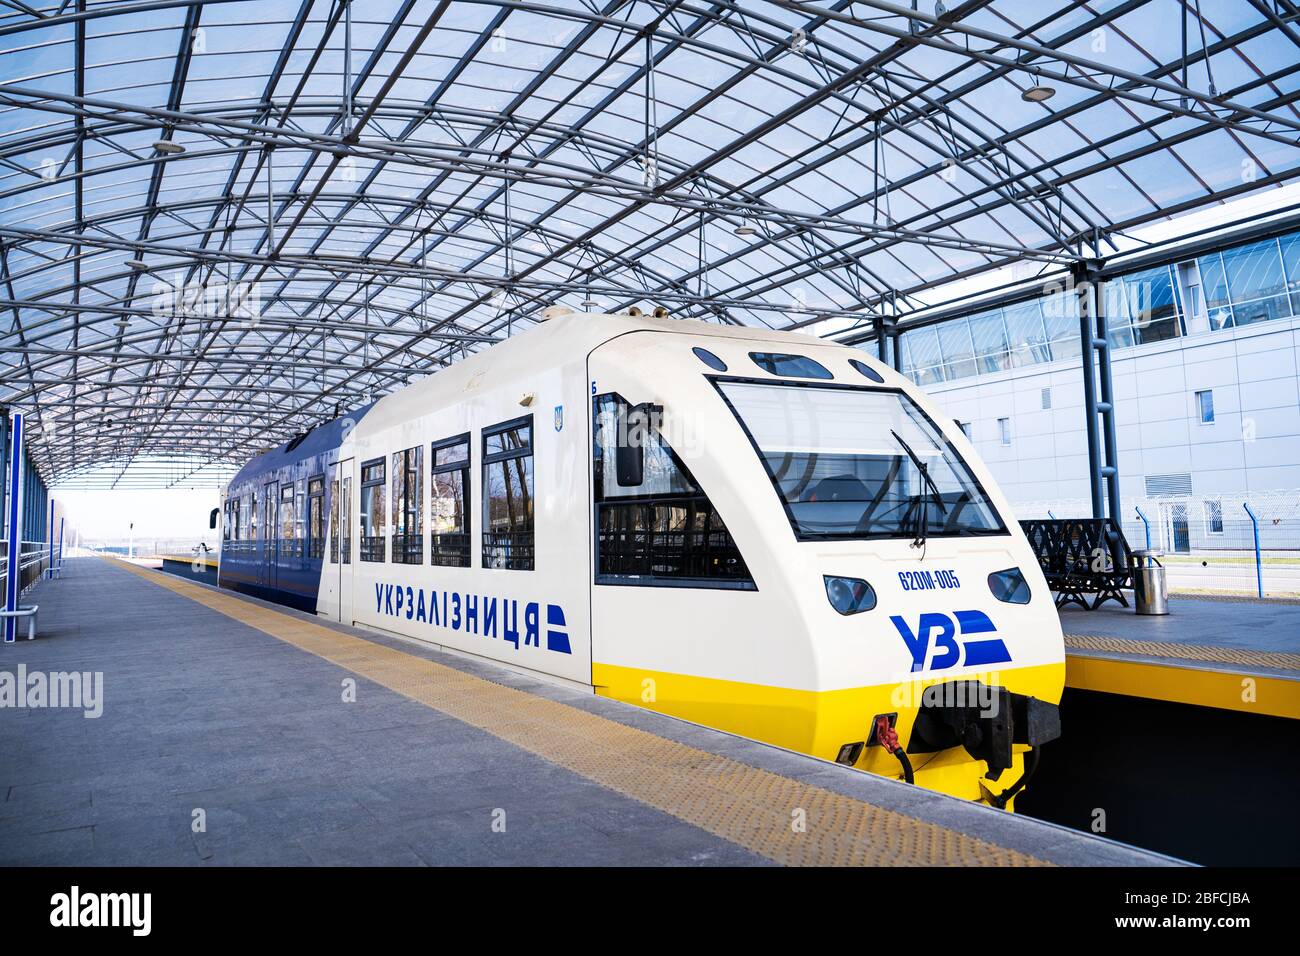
x=173, y=513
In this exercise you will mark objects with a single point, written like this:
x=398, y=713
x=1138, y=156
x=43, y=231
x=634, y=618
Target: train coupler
x=985, y=720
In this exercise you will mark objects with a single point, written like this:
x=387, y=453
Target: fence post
x=1259, y=562
x=1145, y=524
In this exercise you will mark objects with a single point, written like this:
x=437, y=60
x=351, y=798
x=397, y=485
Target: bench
x=1082, y=557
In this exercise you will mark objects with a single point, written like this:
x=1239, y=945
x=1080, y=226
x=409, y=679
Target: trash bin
x=1150, y=587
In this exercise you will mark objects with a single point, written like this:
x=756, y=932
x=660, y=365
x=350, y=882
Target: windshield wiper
x=923, y=527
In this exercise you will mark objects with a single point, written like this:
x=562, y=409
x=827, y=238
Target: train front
x=937, y=641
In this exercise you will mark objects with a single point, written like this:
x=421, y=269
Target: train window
x=408, y=506
x=449, y=503
x=795, y=366
x=709, y=359
x=288, y=541
x=316, y=517
x=372, y=511
x=663, y=530
x=334, y=516
x=860, y=463
x=249, y=518
x=508, y=495
x=345, y=519
x=867, y=370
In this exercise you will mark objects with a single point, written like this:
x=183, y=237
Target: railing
x=34, y=558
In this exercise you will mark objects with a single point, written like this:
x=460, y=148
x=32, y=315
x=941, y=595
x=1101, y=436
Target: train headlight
x=849, y=595
x=1009, y=586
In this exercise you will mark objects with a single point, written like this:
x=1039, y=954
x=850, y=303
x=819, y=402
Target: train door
x=270, y=532
x=344, y=531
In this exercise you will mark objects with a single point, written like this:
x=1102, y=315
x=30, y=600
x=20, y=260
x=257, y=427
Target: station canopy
x=222, y=223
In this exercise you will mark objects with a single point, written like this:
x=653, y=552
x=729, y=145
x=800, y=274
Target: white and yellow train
x=759, y=531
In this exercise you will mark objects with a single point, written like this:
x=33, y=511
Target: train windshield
x=860, y=463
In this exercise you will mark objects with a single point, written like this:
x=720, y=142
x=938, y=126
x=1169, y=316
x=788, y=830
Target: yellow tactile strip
x=753, y=808
x=1185, y=652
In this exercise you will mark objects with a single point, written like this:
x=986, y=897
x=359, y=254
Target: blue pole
x=1259, y=563
x=61, y=520
x=1050, y=515
x=50, y=531
x=1146, y=524
x=15, y=524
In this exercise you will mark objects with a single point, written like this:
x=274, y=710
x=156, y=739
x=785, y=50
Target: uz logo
x=938, y=631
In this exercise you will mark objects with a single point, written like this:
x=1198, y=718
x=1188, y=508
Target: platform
x=1235, y=654
x=226, y=708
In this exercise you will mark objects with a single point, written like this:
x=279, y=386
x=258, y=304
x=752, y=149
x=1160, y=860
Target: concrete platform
x=226, y=710
x=1236, y=654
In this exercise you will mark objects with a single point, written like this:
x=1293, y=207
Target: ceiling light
x=167, y=146
x=589, y=303
x=745, y=229
x=1038, y=94
x=138, y=264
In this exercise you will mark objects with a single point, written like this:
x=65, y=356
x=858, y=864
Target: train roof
x=549, y=344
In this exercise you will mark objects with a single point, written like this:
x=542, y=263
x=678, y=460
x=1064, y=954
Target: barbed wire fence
x=1230, y=542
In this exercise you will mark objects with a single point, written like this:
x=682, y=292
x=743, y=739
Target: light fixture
x=167, y=146
x=589, y=303
x=122, y=322
x=745, y=229
x=1038, y=93
x=138, y=264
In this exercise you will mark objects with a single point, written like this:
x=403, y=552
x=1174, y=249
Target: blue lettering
x=471, y=613
x=410, y=603
x=419, y=610
x=455, y=611
x=489, y=617
x=530, y=625
x=510, y=622
x=379, y=597
x=388, y=599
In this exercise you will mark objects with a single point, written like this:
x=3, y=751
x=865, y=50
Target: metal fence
x=1240, y=543
x=34, y=558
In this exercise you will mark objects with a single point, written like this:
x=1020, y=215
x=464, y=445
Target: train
x=764, y=532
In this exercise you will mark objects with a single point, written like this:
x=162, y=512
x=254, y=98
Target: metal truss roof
x=439, y=172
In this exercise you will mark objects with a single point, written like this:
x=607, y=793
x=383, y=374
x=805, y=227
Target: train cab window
x=795, y=366
x=508, y=495
x=655, y=525
x=316, y=517
x=372, y=511
x=449, y=509
x=408, y=506
x=288, y=521
x=855, y=463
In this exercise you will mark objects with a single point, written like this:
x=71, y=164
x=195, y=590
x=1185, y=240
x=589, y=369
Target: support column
x=1098, y=392
x=4, y=471
x=12, y=575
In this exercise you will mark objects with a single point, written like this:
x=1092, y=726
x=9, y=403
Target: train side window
x=449, y=505
x=408, y=506
x=288, y=539
x=248, y=521
x=508, y=495
x=372, y=510
x=664, y=530
x=334, y=516
x=345, y=518
x=316, y=517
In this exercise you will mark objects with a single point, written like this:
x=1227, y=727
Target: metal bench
x=1082, y=557
x=28, y=612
